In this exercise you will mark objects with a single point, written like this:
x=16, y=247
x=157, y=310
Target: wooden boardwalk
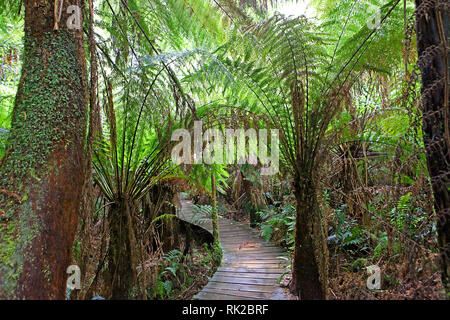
x=250, y=267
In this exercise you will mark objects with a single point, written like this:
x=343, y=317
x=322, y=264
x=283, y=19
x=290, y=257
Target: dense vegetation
x=359, y=95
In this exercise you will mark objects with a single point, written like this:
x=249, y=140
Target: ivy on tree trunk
x=41, y=175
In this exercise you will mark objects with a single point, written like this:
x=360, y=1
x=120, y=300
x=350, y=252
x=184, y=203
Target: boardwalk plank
x=247, y=281
x=252, y=270
x=248, y=275
x=213, y=296
x=253, y=265
x=242, y=294
x=241, y=287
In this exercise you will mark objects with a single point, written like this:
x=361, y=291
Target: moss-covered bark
x=214, y=219
x=121, y=251
x=309, y=270
x=42, y=173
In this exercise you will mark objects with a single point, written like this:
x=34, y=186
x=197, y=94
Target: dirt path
x=250, y=267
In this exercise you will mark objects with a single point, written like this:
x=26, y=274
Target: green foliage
x=407, y=217
x=164, y=64
x=3, y=138
x=172, y=262
x=163, y=217
x=175, y=277
x=386, y=45
x=278, y=224
x=381, y=246
x=348, y=232
x=11, y=8
x=209, y=255
x=200, y=177
x=170, y=266
x=217, y=253
x=11, y=33
x=359, y=264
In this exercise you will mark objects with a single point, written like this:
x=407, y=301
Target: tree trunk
x=121, y=252
x=432, y=30
x=308, y=282
x=94, y=132
x=217, y=249
x=214, y=208
x=42, y=172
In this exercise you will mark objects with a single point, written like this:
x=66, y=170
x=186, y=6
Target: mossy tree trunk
x=308, y=271
x=214, y=219
x=432, y=33
x=41, y=175
x=122, y=251
x=214, y=208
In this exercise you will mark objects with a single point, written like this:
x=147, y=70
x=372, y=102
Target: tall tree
x=432, y=43
x=42, y=171
x=214, y=220
x=289, y=90
x=302, y=84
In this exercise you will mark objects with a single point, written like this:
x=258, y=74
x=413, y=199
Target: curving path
x=250, y=267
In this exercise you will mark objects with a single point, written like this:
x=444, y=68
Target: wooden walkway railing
x=250, y=267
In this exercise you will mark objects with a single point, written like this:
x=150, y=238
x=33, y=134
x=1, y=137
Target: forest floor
x=200, y=269
x=347, y=280
x=398, y=283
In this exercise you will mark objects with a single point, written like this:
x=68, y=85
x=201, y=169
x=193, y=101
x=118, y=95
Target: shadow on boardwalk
x=250, y=267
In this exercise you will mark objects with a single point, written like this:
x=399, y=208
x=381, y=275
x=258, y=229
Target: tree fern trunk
x=307, y=281
x=433, y=30
x=121, y=252
x=42, y=173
